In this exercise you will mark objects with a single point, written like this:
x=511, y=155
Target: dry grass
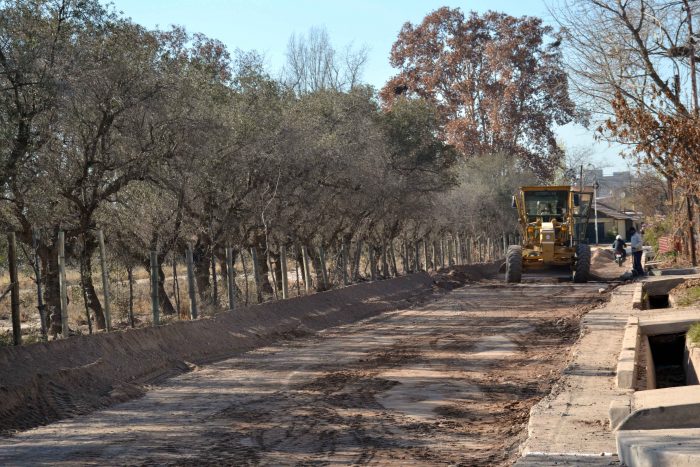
x=687, y=293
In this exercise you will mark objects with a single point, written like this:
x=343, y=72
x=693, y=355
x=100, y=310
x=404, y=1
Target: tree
x=636, y=63
x=497, y=81
x=313, y=64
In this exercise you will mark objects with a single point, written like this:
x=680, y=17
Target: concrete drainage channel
x=658, y=422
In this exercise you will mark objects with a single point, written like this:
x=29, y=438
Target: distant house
x=611, y=222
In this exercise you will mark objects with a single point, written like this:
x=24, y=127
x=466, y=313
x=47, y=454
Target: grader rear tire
x=582, y=268
x=514, y=264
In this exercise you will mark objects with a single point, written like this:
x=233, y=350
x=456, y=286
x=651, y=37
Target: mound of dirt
x=456, y=276
x=44, y=382
x=602, y=256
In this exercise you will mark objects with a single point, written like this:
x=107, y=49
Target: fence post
x=283, y=267
x=229, y=279
x=14, y=289
x=307, y=275
x=62, y=283
x=324, y=272
x=130, y=279
x=105, y=279
x=190, y=283
x=155, y=304
x=372, y=272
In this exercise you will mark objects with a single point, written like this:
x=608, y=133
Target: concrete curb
x=638, y=297
x=626, y=373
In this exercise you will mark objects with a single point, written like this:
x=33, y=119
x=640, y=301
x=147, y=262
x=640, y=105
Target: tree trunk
x=166, y=306
x=93, y=301
x=48, y=256
x=316, y=260
x=202, y=268
x=264, y=269
x=277, y=266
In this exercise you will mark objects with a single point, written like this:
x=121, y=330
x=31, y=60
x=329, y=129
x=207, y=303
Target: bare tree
x=313, y=64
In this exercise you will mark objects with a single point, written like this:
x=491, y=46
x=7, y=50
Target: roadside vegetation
x=165, y=140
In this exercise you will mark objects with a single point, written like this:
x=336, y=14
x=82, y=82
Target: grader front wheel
x=582, y=268
x=514, y=264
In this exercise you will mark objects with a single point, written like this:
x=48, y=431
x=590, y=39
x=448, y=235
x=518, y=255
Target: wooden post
x=62, y=283
x=214, y=282
x=324, y=271
x=105, y=279
x=434, y=256
x=155, y=304
x=296, y=270
x=229, y=279
x=307, y=274
x=130, y=311
x=190, y=284
x=14, y=292
x=256, y=273
x=176, y=288
x=691, y=231
x=283, y=267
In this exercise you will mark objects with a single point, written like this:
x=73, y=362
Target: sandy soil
x=448, y=382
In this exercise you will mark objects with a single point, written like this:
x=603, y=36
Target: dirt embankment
x=45, y=382
x=48, y=381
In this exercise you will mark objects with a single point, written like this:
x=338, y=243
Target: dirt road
x=449, y=382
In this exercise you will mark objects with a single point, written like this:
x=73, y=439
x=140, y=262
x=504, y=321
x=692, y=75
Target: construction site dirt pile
x=44, y=382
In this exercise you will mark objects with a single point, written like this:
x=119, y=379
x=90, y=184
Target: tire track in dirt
x=449, y=382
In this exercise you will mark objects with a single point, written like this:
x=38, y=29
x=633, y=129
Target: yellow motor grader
x=553, y=224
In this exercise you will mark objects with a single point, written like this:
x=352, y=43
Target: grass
x=689, y=296
x=694, y=334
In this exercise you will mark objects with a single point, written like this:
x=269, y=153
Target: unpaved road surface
x=448, y=382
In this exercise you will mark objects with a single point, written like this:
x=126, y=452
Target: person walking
x=637, y=251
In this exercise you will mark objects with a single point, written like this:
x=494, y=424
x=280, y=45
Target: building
x=611, y=222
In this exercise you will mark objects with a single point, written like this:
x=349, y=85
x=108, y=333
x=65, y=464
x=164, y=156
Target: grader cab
x=553, y=224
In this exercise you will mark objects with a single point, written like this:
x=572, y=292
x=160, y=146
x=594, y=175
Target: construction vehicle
x=553, y=225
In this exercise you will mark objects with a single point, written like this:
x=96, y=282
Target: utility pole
x=694, y=90
x=595, y=208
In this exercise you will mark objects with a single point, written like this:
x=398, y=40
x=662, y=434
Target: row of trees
x=165, y=139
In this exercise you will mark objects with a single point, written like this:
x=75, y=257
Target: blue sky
x=266, y=25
